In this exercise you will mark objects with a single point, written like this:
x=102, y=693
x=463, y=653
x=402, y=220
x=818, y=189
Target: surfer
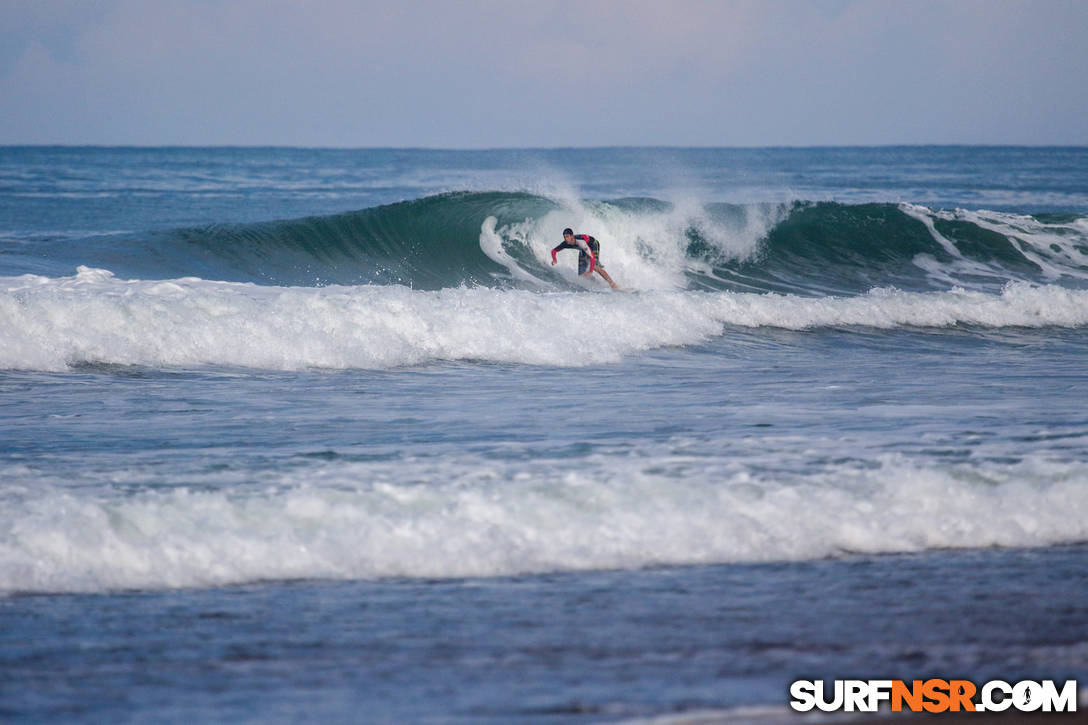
x=589, y=254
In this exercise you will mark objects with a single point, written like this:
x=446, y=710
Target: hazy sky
x=495, y=73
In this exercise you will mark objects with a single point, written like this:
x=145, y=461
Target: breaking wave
x=93, y=317
x=467, y=276
x=502, y=239
x=483, y=518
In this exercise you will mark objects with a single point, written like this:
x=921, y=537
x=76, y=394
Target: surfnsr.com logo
x=934, y=695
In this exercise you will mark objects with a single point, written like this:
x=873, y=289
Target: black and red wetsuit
x=589, y=252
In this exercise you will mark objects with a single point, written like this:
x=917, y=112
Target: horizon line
x=537, y=148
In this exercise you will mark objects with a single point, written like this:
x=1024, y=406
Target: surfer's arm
x=562, y=245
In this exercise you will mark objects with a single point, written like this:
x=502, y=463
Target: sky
x=543, y=73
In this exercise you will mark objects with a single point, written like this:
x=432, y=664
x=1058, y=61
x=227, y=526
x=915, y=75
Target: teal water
x=296, y=434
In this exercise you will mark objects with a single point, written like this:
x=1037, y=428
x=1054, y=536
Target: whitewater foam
x=467, y=517
x=1057, y=250
x=93, y=317
x=647, y=248
x=491, y=244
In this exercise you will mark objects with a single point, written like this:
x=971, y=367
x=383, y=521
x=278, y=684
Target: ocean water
x=321, y=435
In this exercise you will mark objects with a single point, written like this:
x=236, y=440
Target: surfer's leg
x=607, y=279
